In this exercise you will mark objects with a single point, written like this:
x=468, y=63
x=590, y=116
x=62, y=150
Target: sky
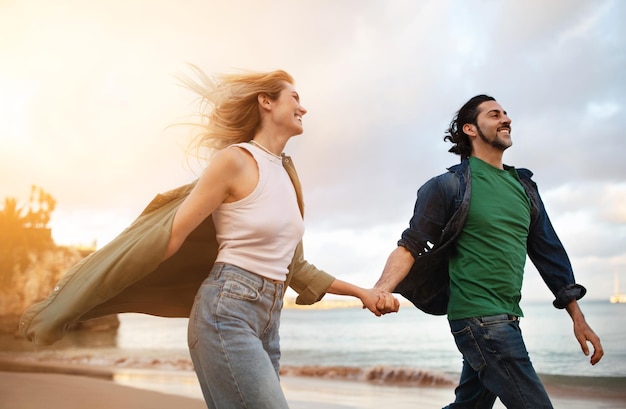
x=89, y=102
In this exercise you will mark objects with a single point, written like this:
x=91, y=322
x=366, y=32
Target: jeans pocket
x=240, y=290
x=468, y=346
x=238, y=300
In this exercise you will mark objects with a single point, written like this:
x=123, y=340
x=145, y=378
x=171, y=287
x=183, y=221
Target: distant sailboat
x=617, y=298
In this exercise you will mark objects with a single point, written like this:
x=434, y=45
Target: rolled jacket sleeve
x=568, y=294
x=307, y=280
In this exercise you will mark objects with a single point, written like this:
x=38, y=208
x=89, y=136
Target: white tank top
x=260, y=232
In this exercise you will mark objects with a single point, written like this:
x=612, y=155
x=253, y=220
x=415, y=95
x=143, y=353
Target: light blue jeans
x=234, y=341
x=495, y=364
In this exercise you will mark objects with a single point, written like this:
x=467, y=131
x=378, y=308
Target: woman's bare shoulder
x=233, y=159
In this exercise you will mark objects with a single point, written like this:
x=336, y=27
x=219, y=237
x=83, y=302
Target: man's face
x=494, y=126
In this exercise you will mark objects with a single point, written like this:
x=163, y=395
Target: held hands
x=387, y=303
x=380, y=302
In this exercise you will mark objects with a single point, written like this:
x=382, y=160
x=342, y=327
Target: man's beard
x=497, y=143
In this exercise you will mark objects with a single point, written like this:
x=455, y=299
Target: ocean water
x=352, y=337
x=408, y=348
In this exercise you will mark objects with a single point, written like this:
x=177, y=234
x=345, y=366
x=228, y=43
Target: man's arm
x=584, y=333
x=396, y=268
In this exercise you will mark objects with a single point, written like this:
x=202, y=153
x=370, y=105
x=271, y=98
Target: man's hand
x=584, y=333
x=387, y=303
x=380, y=302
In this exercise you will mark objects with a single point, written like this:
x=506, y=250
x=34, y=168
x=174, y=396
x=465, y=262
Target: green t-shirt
x=487, y=264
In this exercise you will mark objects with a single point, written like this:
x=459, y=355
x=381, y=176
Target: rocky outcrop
x=34, y=283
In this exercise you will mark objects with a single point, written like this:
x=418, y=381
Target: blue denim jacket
x=438, y=218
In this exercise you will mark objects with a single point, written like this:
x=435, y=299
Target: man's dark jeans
x=495, y=364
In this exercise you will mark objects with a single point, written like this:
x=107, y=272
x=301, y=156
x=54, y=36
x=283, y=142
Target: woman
x=233, y=328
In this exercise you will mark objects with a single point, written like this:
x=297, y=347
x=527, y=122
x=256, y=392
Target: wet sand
x=30, y=386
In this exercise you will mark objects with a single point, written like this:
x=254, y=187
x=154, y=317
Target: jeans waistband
x=218, y=267
x=499, y=317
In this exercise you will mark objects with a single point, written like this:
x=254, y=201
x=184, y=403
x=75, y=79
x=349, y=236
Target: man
x=464, y=253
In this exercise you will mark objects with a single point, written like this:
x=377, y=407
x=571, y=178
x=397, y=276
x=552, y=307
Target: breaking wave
x=381, y=375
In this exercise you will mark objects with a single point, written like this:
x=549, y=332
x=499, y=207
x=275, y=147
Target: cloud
x=91, y=91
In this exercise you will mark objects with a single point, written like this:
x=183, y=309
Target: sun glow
x=16, y=96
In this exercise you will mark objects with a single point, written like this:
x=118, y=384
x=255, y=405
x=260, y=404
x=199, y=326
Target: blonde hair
x=229, y=109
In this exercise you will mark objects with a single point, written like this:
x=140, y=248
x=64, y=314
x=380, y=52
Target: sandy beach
x=25, y=385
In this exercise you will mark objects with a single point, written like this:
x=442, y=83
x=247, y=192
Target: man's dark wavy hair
x=466, y=115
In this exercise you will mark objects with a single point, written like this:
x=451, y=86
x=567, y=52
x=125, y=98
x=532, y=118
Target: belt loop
x=217, y=269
